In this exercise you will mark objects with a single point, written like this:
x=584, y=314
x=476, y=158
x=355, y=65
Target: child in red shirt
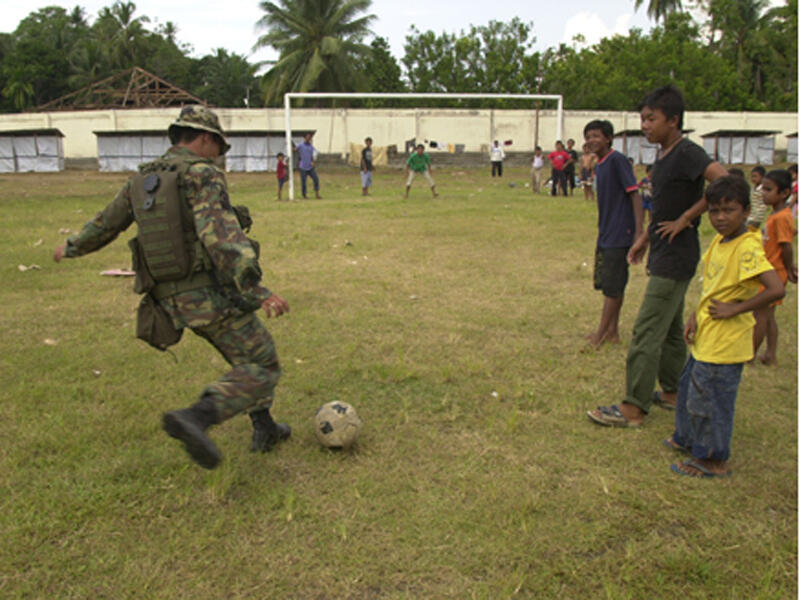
x=559, y=158
x=282, y=173
x=777, y=234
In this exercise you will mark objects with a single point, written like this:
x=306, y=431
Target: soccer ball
x=336, y=425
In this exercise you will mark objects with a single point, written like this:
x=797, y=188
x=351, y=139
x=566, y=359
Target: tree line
x=739, y=55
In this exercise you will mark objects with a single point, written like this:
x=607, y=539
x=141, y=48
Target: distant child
x=619, y=223
x=646, y=192
x=537, y=165
x=569, y=168
x=758, y=210
x=588, y=161
x=282, y=173
x=419, y=163
x=737, y=279
x=778, y=234
x=366, y=167
x=736, y=172
x=658, y=350
x=793, y=202
x=496, y=156
x=558, y=159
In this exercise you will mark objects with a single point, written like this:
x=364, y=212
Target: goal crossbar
x=287, y=110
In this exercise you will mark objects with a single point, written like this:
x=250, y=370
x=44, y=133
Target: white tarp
x=649, y=152
x=710, y=146
x=632, y=150
x=6, y=155
x=765, y=152
x=724, y=149
x=737, y=149
x=791, y=149
x=618, y=144
x=117, y=153
x=25, y=146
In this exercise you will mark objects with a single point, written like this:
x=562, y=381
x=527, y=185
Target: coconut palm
x=319, y=44
x=659, y=9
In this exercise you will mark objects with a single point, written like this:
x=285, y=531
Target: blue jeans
x=706, y=402
x=305, y=173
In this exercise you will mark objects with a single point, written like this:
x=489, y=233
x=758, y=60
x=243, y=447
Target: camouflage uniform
x=224, y=314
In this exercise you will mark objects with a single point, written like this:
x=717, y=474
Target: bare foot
x=612, y=339
x=766, y=359
x=595, y=340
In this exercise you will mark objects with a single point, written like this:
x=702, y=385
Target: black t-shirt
x=677, y=185
x=570, y=168
x=366, y=156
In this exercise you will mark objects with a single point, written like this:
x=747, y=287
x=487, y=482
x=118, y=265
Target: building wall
x=337, y=128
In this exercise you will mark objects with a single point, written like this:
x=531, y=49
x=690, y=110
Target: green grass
x=455, y=326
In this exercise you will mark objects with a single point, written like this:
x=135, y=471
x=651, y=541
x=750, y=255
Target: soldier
x=198, y=270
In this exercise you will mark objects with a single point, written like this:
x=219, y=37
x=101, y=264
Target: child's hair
x=559, y=142
x=669, y=100
x=736, y=172
x=605, y=127
x=369, y=139
x=420, y=146
x=630, y=160
x=570, y=140
x=757, y=169
x=538, y=148
x=280, y=155
x=792, y=169
x=648, y=168
x=731, y=188
x=780, y=177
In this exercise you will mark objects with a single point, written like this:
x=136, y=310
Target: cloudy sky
x=230, y=24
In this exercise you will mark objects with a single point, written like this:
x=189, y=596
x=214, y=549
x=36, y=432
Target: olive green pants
x=657, y=350
x=248, y=347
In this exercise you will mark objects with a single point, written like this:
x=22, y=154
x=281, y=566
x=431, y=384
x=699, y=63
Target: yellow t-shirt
x=730, y=274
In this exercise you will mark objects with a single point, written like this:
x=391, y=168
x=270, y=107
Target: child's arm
x=672, y=228
x=638, y=213
x=773, y=290
x=690, y=329
x=787, y=254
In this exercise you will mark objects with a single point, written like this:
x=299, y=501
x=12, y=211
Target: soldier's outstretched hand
x=58, y=253
x=275, y=305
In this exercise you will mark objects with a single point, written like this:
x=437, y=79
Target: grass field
x=455, y=327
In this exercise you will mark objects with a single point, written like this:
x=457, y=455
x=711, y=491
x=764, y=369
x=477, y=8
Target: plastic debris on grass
x=118, y=273
x=24, y=268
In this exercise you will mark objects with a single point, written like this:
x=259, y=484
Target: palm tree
x=659, y=9
x=122, y=32
x=319, y=44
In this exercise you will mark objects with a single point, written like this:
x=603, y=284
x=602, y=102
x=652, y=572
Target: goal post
x=287, y=109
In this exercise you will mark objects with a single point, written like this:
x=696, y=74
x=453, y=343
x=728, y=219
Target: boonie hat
x=197, y=116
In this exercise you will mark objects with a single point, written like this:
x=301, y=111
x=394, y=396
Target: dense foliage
x=740, y=55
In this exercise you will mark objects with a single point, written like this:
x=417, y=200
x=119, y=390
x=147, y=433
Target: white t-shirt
x=538, y=161
x=496, y=154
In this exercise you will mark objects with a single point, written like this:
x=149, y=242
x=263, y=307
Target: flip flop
x=705, y=473
x=673, y=445
x=659, y=401
x=610, y=416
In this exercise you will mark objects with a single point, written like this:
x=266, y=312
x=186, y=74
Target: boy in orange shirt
x=777, y=234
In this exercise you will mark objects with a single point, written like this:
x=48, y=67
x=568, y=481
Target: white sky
x=231, y=24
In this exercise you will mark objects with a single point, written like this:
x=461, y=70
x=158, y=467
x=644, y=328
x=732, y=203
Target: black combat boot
x=266, y=432
x=189, y=426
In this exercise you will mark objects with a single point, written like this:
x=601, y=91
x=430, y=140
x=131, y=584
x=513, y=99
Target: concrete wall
x=337, y=128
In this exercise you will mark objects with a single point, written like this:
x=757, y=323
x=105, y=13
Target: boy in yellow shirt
x=720, y=332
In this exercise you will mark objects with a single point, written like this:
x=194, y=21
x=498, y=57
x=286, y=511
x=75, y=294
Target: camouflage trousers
x=248, y=347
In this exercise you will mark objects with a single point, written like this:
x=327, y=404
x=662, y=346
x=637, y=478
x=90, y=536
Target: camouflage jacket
x=235, y=262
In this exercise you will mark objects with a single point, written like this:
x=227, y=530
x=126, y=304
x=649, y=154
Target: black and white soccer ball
x=336, y=425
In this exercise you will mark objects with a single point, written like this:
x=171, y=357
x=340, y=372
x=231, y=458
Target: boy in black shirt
x=658, y=350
